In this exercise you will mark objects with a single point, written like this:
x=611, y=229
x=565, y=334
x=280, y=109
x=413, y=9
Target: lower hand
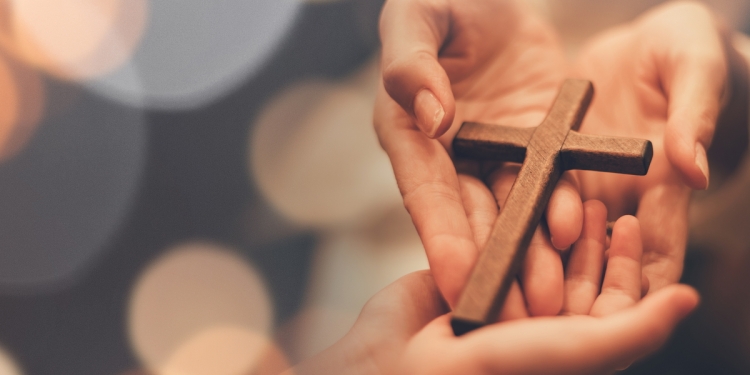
x=405, y=329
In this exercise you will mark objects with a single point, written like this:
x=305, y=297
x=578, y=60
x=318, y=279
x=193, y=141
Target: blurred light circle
x=199, y=297
x=68, y=190
x=23, y=96
x=73, y=39
x=193, y=51
x=315, y=156
x=224, y=350
x=8, y=365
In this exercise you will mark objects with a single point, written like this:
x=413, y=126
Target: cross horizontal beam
x=546, y=151
x=579, y=151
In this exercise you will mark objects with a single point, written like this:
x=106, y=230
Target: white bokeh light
x=8, y=365
x=193, y=51
x=69, y=189
x=73, y=39
x=315, y=156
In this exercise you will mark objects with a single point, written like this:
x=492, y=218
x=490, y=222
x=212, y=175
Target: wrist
x=349, y=355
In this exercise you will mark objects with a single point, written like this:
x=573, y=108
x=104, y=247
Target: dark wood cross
x=546, y=151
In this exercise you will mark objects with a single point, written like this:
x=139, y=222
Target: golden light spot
x=73, y=39
x=22, y=96
x=200, y=297
x=8, y=365
x=225, y=350
x=315, y=156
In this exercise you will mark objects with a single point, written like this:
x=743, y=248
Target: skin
x=671, y=71
x=604, y=324
x=496, y=62
x=454, y=205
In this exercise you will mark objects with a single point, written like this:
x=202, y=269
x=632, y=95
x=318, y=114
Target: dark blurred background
x=177, y=174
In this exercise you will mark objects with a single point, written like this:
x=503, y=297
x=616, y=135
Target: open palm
x=604, y=324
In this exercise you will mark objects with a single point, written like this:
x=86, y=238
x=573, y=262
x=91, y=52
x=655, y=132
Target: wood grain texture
x=545, y=158
x=606, y=154
x=492, y=142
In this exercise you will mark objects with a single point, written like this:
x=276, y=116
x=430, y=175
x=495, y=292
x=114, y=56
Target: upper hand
x=447, y=61
x=661, y=78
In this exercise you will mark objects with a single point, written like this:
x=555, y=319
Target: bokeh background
x=194, y=187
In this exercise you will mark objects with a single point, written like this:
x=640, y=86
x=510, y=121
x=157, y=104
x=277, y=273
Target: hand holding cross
x=546, y=151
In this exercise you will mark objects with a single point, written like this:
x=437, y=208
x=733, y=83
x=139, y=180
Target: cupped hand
x=604, y=325
x=661, y=78
x=490, y=61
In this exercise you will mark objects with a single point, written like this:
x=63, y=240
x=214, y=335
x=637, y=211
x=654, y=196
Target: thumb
x=635, y=332
x=694, y=72
x=695, y=100
x=412, y=32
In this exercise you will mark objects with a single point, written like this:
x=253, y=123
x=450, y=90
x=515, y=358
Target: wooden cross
x=546, y=151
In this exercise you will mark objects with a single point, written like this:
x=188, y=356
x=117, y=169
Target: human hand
x=662, y=78
x=491, y=61
x=404, y=328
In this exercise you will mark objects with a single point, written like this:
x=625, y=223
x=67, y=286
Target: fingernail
x=701, y=160
x=552, y=241
x=429, y=112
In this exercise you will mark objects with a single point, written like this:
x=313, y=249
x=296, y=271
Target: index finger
x=412, y=33
x=430, y=188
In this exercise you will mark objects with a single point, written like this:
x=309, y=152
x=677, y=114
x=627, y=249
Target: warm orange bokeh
x=72, y=39
x=23, y=99
x=193, y=305
x=226, y=350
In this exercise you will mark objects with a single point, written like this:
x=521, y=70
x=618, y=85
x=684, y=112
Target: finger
x=480, y=205
x=501, y=180
x=481, y=209
x=541, y=273
x=412, y=32
x=641, y=330
x=622, y=280
x=514, y=306
x=565, y=212
x=692, y=64
x=663, y=213
x=542, y=278
x=579, y=345
x=429, y=185
x=583, y=273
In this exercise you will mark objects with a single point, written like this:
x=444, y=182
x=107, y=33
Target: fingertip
x=429, y=113
x=701, y=161
x=627, y=228
x=420, y=85
x=684, y=299
x=686, y=152
x=675, y=302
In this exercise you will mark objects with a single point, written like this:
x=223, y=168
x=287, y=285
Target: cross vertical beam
x=545, y=159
